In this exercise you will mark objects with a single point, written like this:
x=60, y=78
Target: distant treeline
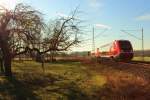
x=83, y=53
x=139, y=53
x=80, y=53
x=86, y=53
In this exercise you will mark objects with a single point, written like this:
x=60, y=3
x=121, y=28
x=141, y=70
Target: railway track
x=137, y=68
x=140, y=62
x=108, y=60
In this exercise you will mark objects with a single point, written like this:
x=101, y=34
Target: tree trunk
x=2, y=65
x=52, y=56
x=7, y=57
x=7, y=65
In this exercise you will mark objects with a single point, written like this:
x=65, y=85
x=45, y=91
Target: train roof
x=122, y=40
x=108, y=44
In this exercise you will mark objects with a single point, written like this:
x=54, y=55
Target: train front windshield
x=125, y=45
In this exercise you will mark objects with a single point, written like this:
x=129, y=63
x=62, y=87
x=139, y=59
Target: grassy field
x=57, y=81
x=73, y=81
x=141, y=59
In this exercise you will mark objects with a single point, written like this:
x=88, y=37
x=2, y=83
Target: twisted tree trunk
x=7, y=65
x=2, y=65
x=7, y=58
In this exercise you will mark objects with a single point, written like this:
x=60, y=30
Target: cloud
x=145, y=17
x=102, y=26
x=9, y=4
x=60, y=14
x=95, y=3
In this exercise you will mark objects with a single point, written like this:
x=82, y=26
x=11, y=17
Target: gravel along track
x=143, y=63
x=139, y=69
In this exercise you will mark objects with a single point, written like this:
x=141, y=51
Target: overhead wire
x=131, y=34
x=88, y=39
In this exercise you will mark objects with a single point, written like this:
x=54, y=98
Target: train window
x=125, y=45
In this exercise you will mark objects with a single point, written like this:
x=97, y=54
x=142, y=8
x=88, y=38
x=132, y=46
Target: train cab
x=118, y=50
x=122, y=49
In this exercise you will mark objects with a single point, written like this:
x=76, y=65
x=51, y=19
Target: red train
x=117, y=50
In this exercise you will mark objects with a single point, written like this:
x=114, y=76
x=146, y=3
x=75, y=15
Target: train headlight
x=121, y=51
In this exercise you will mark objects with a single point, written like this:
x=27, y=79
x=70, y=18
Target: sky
x=107, y=17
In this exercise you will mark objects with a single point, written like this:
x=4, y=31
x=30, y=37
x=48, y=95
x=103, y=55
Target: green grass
x=70, y=80
x=56, y=81
x=141, y=59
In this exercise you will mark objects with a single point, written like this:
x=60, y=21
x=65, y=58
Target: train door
x=114, y=49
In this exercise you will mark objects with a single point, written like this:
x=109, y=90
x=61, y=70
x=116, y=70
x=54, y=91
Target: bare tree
x=62, y=33
x=20, y=32
x=19, y=29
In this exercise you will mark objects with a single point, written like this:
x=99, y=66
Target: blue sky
x=113, y=15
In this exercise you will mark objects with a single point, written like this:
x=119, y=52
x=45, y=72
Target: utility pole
x=142, y=39
x=93, y=42
x=142, y=45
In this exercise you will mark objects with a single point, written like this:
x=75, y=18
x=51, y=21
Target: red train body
x=118, y=50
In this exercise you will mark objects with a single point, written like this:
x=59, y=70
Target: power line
x=101, y=33
x=142, y=44
x=108, y=44
x=125, y=31
x=142, y=39
x=93, y=42
x=88, y=39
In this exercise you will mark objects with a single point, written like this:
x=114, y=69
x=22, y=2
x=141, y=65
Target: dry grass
x=141, y=59
x=124, y=81
x=57, y=81
x=86, y=80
